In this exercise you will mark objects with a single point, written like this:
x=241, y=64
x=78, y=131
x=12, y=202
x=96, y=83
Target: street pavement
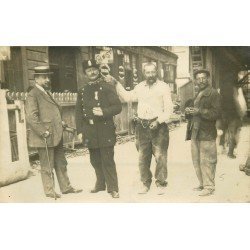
x=232, y=185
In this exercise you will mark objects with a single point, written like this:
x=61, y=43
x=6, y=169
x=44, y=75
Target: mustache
x=151, y=78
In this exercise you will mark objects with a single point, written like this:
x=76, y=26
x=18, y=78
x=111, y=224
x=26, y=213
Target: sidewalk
x=231, y=184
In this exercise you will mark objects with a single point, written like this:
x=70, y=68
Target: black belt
x=145, y=122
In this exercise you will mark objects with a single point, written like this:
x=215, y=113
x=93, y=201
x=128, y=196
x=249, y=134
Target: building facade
x=66, y=62
x=225, y=65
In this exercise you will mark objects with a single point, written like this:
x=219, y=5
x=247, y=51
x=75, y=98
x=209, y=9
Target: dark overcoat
x=43, y=114
x=203, y=125
x=97, y=131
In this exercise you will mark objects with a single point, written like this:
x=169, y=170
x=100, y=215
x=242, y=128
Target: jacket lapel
x=46, y=96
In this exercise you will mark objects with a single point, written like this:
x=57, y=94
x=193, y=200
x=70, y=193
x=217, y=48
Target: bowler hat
x=89, y=64
x=42, y=70
x=201, y=71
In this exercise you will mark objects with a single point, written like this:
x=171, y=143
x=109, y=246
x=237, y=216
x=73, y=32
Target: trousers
x=59, y=163
x=204, y=156
x=232, y=127
x=102, y=160
x=152, y=142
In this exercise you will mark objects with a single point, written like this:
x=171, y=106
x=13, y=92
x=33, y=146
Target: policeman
x=97, y=103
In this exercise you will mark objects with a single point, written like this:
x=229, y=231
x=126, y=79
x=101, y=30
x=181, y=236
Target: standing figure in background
x=203, y=132
x=97, y=104
x=233, y=111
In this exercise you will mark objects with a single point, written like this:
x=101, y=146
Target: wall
x=185, y=93
x=33, y=56
x=183, y=61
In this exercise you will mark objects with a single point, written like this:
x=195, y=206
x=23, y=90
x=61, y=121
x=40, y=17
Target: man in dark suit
x=97, y=103
x=43, y=115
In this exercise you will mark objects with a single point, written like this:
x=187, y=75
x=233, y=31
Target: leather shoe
x=96, y=190
x=200, y=188
x=231, y=156
x=242, y=167
x=161, y=190
x=53, y=195
x=143, y=190
x=114, y=194
x=72, y=191
x=206, y=192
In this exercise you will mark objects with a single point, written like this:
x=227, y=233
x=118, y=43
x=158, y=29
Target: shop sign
x=105, y=57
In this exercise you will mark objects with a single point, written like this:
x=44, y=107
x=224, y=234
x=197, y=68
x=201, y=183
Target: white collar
x=146, y=84
x=41, y=88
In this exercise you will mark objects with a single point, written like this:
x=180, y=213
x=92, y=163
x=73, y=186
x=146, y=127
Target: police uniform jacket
x=43, y=114
x=98, y=131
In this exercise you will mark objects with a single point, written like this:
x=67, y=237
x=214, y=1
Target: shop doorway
x=62, y=61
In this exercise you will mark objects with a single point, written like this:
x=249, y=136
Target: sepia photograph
x=140, y=124
x=124, y=125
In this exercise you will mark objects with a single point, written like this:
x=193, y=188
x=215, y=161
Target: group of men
x=97, y=103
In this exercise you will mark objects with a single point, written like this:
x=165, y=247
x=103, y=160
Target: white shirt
x=153, y=101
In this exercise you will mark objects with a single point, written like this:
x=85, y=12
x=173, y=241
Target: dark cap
x=89, y=64
x=201, y=71
x=42, y=70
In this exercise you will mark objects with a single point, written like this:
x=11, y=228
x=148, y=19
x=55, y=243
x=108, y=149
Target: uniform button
x=98, y=104
x=85, y=115
x=109, y=140
x=105, y=123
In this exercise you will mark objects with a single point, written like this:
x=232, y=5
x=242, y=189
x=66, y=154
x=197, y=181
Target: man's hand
x=110, y=79
x=187, y=110
x=79, y=137
x=97, y=111
x=153, y=125
x=46, y=134
x=194, y=111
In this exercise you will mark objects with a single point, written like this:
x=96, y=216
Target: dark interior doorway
x=62, y=61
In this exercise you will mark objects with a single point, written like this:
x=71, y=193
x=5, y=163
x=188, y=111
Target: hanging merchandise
x=121, y=72
x=105, y=56
x=135, y=76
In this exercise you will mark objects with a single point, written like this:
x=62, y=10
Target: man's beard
x=47, y=86
x=151, y=80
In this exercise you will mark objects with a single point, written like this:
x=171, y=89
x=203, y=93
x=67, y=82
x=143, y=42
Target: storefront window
x=170, y=73
x=12, y=73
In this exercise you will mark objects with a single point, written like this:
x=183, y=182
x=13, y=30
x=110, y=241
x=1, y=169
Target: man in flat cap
x=43, y=115
x=206, y=111
x=97, y=104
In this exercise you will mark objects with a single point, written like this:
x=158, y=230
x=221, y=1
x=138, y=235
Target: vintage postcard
x=124, y=124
